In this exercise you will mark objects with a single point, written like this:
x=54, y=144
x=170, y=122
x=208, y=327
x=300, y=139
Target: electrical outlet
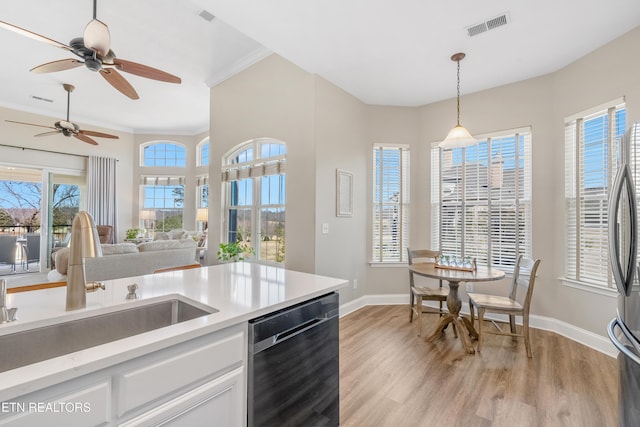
x=355, y=283
x=469, y=287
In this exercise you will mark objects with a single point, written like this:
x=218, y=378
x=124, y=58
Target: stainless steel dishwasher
x=294, y=366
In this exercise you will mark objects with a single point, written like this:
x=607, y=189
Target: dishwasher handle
x=290, y=333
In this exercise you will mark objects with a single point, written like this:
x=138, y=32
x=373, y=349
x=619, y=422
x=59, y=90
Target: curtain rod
x=46, y=151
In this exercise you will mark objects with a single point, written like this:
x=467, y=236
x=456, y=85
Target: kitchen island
x=138, y=380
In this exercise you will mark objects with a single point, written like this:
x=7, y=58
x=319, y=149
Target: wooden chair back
x=427, y=254
x=422, y=253
x=524, y=276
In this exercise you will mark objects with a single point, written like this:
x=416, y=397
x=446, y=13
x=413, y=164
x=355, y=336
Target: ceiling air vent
x=490, y=24
x=206, y=15
x=39, y=98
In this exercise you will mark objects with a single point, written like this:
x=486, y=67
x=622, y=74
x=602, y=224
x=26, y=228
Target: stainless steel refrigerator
x=624, y=330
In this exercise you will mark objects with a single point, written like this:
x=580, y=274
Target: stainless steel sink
x=41, y=343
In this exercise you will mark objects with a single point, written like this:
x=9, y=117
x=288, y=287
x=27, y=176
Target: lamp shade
x=458, y=137
x=147, y=214
x=202, y=214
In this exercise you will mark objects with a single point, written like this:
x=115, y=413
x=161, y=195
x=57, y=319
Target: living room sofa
x=127, y=259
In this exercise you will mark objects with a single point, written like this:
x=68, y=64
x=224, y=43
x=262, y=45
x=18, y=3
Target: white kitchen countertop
x=240, y=291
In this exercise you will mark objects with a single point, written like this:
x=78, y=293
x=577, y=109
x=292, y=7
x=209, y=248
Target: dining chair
x=524, y=275
x=8, y=250
x=31, y=249
x=417, y=294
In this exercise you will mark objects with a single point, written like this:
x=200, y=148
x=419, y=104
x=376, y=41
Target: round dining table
x=454, y=304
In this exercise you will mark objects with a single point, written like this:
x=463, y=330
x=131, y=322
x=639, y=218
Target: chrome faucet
x=6, y=314
x=84, y=243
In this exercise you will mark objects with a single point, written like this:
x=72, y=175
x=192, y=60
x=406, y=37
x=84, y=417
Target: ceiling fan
x=68, y=128
x=94, y=51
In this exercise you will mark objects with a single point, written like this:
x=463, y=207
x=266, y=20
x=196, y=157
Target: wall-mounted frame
x=344, y=193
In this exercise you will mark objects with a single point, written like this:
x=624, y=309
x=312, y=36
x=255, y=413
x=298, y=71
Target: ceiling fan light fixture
x=459, y=136
x=96, y=37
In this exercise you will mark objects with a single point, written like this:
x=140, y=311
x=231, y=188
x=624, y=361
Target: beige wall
x=271, y=99
x=326, y=129
x=341, y=140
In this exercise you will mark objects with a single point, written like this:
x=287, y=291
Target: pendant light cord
x=458, y=108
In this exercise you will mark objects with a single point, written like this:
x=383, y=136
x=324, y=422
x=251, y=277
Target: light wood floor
x=391, y=377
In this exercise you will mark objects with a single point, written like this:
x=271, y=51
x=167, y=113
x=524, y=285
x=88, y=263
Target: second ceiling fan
x=68, y=128
x=94, y=51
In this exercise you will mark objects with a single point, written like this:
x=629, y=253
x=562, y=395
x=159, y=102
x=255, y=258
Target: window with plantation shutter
x=591, y=160
x=390, y=237
x=481, y=199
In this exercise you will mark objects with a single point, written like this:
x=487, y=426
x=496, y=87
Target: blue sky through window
x=162, y=196
x=165, y=154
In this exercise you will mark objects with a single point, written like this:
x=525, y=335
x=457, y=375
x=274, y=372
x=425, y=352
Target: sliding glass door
x=65, y=198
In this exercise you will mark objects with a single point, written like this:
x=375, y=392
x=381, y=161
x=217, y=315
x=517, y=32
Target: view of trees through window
x=166, y=201
x=21, y=202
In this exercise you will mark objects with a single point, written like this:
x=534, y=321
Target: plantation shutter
x=390, y=231
x=591, y=147
x=481, y=199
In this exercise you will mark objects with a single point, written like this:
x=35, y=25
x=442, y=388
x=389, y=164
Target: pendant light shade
x=459, y=136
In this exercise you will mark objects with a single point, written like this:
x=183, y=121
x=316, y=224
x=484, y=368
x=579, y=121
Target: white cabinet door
x=217, y=403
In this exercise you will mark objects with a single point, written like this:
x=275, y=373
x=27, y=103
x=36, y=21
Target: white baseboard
x=597, y=342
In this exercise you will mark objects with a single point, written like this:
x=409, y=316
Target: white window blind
x=481, y=199
x=390, y=231
x=591, y=161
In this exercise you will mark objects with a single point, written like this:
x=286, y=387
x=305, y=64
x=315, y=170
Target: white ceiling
x=382, y=52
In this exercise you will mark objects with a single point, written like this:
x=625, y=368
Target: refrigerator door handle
x=623, y=279
x=621, y=347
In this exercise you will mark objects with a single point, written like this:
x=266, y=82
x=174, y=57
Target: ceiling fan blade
x=96, y=36
x=48, y=133
x=61, y=65
x=33, y=35
x=98, y=134
x=116, y=80
x=30, y=124
x=145, y=71
x=85, y=138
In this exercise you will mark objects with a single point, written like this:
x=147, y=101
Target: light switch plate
x=325, y=228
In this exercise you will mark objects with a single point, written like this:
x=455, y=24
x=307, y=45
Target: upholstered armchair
x=105, y=233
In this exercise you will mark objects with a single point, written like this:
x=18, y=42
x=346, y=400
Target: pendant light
x=458, y=136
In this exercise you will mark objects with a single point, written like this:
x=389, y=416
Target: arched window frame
x=181, y=154
x=254, y=183
x=202, y=152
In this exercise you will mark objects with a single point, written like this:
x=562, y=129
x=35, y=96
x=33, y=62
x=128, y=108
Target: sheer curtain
x=101, y=195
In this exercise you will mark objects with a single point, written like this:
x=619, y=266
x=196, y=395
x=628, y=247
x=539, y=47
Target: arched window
x=202, y=158
x=163, y=154
x=254, y=177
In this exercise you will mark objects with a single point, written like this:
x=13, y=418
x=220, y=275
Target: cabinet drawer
x=220, y=401
x=159, y=378
x=88, y=406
